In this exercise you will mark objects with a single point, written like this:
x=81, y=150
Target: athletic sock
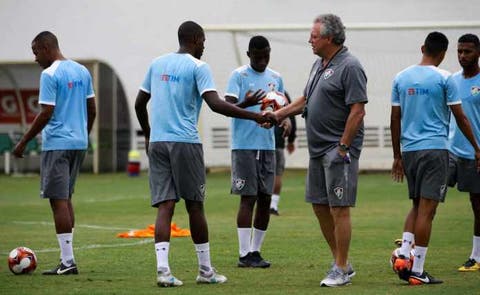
x=203, y=255
x=65, y=241
x=275, y=201
x=244, y=238
x=257, y=239
x=419, y=261
x=476, y=249
x=161, y=251
x=407, y=243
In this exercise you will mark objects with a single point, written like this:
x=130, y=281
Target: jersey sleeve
x=204, y=79
x=451, y=92
x=146, y=85
x=233, y=86
x=395, y=99
x=355, y=85
x=90, y=92
x=48, y=90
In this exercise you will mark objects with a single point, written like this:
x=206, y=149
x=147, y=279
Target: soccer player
x=253, y=153
x=280, y=157
x=421, y=97
x=463, y=169
x=333, y=105
x=67, y=114
x=175, y=84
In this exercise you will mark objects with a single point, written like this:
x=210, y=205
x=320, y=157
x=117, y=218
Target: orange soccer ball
x=22, y=260
x=273, y=101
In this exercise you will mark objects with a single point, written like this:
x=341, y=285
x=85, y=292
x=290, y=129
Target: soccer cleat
x=422, y=279
x=470, y=265
x=62, y=269
x=210, y=277
x=403, y=267
x=166, y=279
x=274, y=212
x=335, y=278
x=244, y=261
x=256, y=260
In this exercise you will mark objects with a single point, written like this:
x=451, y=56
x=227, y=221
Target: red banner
x=10, y=109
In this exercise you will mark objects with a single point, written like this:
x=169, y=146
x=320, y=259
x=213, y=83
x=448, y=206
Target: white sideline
x=93, y=246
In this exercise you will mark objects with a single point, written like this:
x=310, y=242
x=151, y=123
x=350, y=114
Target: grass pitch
x=110, y=203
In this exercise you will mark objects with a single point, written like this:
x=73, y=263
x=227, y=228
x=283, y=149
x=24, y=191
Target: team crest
x=443, y=189
x=338, y=191
x=202, y=189
x=475, y=90
x=239, y=183
x=328, y=73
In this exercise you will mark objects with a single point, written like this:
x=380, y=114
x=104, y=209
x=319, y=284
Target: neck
x=472, y=71
x=185, y=49
x=429, y=61
x=330, y=53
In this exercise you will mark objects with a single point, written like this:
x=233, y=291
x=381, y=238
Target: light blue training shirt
x=176, y=82
x=247, y=134
x=424, y=94
x=66, y=85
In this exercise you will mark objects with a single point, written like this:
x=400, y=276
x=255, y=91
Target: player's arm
x=38, y=124
x=249, y=100
x=91, y=113
x=222, y=107
x=395, y=129
x=142, y=114
x=295, y=108
x=466, y=129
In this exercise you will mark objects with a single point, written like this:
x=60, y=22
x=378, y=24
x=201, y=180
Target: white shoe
x=335, y=278
x=350, y=271
x=210, y=277
x=168, y=280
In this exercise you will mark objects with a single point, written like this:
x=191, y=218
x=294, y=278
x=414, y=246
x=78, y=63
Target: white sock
x=257, y=239
x=203, y=255
x=407, y=242
x=419, y=261
x=161, y=251
x=65, y=242
x=476, y=249
x=244, y=238
x=274, y=202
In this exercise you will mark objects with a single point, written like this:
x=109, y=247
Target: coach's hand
x=397, y=170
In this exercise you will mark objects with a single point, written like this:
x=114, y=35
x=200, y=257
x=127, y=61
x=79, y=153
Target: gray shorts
x=426, y=172
x=176, y=171
x=253, y=172
x=58, y=172
x=330, y=181
x=463, y=173
x=279, y=161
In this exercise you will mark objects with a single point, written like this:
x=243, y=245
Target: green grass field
x=110, y=203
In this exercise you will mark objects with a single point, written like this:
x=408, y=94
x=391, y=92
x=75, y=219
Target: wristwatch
x=343, y=147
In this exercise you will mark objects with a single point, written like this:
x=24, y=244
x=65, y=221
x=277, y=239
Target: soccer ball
x=22, y=260
x=401, y=264
x=273, y=101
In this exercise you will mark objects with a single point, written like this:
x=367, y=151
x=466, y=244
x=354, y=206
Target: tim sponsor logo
x=417, y=91
x=169, y=78
x=74, y=83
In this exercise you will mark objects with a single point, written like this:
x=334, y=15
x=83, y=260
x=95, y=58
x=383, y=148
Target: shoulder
x=274, y=73
x=50, y=71
x=405, y=72
x=443, y=73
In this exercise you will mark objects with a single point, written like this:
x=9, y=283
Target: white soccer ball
x=273, y=101
x=22, y=260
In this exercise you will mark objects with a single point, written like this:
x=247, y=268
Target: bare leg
x=245, y=211
x=61, y=216
x=162, y=223
x=475, y=202
x=342, y=233
x=327, y=226
x=198, y=221
x=262, y=212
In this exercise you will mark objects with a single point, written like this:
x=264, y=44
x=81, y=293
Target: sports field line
x=77, y=226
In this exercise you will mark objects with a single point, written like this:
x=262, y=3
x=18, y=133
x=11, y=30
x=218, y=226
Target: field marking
x=77, y=226
x=86, y=247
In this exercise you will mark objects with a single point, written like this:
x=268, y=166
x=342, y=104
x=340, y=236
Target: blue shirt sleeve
x=395, y=94
x=147, y=84
x=90, y=92
x=451, y=92
x=204, y=79
x=233, y=86
x=48, y=90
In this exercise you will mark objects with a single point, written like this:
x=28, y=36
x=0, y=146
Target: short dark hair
x=47, y=38
x=258, y=42
x=188, y=31
x=435, y=43
x=470, y=38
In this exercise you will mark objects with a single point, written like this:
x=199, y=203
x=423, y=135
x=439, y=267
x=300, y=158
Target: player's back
x=175, y=82
x=66, y=84
x=423, y=93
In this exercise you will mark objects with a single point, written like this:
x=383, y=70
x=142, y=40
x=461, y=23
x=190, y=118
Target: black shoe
x=274, y=212
x=422, y=279
x=256, y=260
x=61, y=269
x=244, y=261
